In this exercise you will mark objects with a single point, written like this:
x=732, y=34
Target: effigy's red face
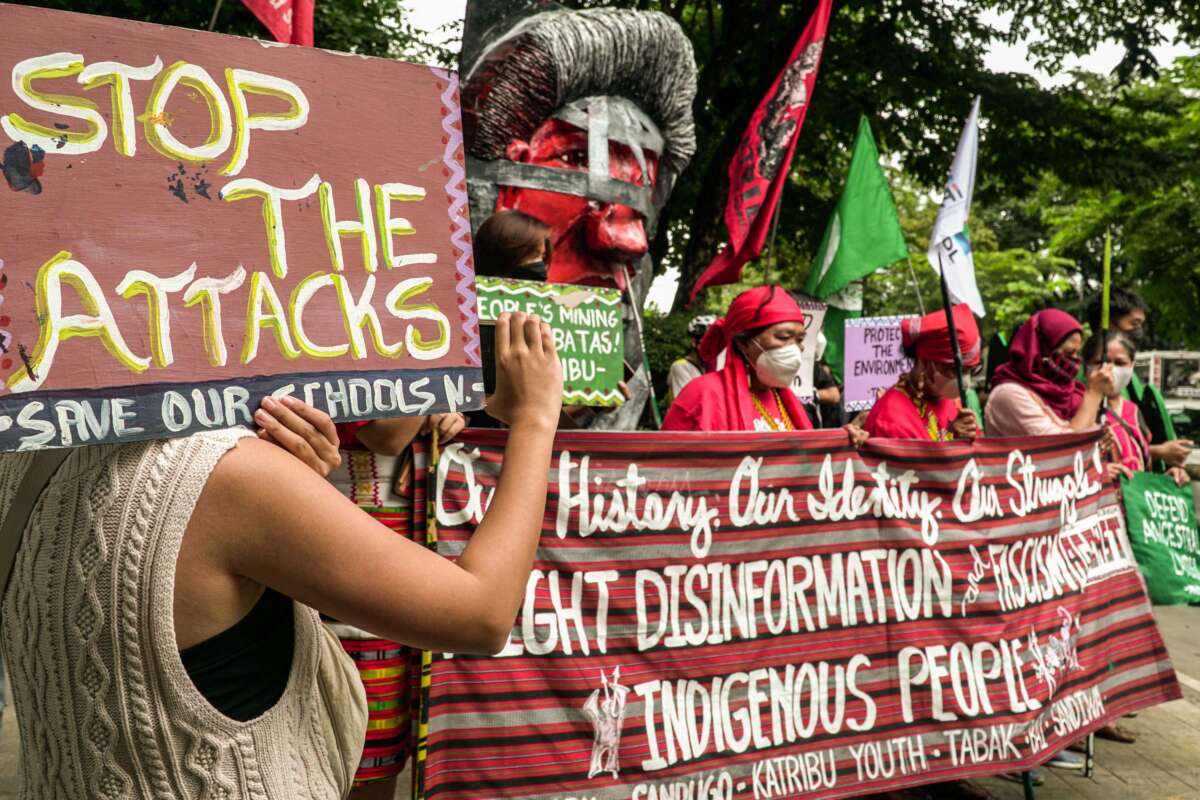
x=593, y=240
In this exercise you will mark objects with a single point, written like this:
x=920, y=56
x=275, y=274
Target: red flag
x=289, y=21
x=760, y=167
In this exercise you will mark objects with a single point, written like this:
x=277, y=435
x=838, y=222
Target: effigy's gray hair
x=555, y=57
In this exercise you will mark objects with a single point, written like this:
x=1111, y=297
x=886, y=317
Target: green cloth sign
x=588, y=332
x=1162, y=529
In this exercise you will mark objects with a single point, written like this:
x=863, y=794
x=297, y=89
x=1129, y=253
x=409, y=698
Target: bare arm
x=1099, y=386
x=265, y=517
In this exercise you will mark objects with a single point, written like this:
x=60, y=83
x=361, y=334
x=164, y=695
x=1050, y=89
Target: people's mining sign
x=588, y=332
x=193, y=221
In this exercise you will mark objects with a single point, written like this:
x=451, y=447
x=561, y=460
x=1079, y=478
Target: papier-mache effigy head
x=582, y=119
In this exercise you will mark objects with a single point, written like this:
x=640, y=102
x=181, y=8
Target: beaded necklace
x=932, y=429
x=783, y=414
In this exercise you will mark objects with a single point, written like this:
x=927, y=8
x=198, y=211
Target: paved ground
x=1163, y=765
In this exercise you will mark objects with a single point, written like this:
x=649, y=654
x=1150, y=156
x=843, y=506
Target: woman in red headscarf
x=1036, y=393
x=763, y=331
x=924, y=404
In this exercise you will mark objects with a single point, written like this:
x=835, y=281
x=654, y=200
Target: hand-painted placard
x=783, y=615
x=873, y=360
x=1162, y=529
x=193, y=221
x=814, y=317
x=588, y=331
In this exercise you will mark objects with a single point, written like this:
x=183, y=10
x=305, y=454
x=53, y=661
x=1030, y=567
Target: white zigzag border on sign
x=550, y=293
x=579, y=396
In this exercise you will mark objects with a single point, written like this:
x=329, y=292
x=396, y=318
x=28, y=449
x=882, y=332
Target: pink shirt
x=1014, y=410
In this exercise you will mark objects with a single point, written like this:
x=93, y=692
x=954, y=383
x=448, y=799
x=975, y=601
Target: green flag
x=863, y=235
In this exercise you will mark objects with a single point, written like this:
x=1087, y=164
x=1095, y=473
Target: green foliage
x=1153, y=221
x=913, y=66
x=369, y=27
x=666, y=340
x=1014, y=281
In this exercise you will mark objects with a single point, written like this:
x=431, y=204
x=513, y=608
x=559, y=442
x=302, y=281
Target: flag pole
x=774, y=230
x=916, y=286
x=212, y=23
x=1105, y=298
x=958, y=361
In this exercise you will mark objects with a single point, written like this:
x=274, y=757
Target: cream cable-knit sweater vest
x=104, y=706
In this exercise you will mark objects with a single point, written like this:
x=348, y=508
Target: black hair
x=1121, y=302
x=1093, y=348
x=507, y=240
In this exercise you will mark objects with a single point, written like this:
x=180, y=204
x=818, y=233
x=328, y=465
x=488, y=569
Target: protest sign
x=814, y=317
x=782, y=615
x=588, y=331
x=1162, y=530
x=874, y=360
x=193, y=221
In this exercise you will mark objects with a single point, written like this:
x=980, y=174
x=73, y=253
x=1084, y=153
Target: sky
x=430, y=15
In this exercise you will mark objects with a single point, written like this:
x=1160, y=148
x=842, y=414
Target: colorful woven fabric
x=386, y=668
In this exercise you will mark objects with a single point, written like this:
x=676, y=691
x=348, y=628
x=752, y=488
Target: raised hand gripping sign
x=193, y=221
x=777, y=616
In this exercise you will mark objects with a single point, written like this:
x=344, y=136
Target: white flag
x=949, y=244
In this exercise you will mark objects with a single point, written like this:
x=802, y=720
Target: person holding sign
x=136, y=554
x=1035, y=393
x=1133, y=449
x=925, y=404
x=513, y=244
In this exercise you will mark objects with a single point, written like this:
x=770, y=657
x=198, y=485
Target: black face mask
x=533, y=271
x=1137, y=334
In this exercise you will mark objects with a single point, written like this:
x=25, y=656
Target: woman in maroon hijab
x=1036, y=393
x=763, y=331
x=924, y=404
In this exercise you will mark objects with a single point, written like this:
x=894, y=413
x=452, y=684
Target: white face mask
x=777, y=368
x=1121, y=378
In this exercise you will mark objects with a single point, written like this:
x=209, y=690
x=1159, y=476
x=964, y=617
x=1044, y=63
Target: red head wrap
x=755, y=308
x=722, y=400
x=931, y=338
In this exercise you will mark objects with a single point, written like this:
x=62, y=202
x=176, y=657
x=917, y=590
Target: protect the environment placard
x=192, y=221
x=874, y=360
x=588, y=331
x=1162, y=529
x=781, y=615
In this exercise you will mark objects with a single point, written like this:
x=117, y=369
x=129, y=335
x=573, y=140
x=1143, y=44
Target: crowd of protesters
x=223, y=605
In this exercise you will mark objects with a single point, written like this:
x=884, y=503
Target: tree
x=1153, y=222
x=912, y=66
x=369, y=27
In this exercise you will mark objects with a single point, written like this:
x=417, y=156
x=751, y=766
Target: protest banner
x=589, y=331
x=193, y=221
x=814, y=317
x=1162, y=529
x=874, y=359
x=781, y=615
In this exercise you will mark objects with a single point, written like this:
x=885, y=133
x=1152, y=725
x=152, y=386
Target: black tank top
x=243, y=670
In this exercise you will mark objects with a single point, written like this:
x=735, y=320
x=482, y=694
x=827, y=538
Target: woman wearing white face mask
x=763, y=331
x=1129, y=430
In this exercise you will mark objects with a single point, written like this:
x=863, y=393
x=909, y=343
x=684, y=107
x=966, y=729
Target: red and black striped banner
x=765, y=616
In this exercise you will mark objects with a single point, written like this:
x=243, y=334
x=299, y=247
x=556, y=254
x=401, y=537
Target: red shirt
x=895, y=416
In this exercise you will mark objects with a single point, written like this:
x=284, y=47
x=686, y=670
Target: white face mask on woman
x=1121, y=378
x=777, y=368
